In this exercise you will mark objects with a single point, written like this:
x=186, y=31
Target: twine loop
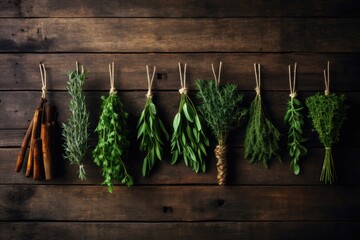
x=183, y=89
x=150, y=81
x=327, y=79
x=257, y=68
x=77, y=68
x=292, y=83
x=112, y=78
x=220, y=154
x=43, y=80
x=217, y=78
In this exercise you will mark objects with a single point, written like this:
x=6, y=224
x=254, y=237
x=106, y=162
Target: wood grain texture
x=192, y=8
x=180, y=35
x=182, y=230
x=9, y=8
x=21, y=72
x=240, y=171
x=179, y=203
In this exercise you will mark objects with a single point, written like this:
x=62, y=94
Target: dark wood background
x=176, y=203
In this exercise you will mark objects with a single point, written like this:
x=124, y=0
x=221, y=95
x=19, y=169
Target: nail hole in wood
x=221, y=202
x=167, y=210
x=161, y=76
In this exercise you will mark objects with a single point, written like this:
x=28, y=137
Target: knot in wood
x=220, y=154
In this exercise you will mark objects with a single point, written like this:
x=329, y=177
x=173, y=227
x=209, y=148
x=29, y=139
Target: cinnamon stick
x=37, y=173
x=23, y=148
x=47, y=133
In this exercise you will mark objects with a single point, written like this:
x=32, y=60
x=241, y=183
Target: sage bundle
x=75, y=131
x=261, y=137
x=221, y=108
x=294, y=119
x=327, y=113
x=151, y=130
x=110, y=150
x=188, y=139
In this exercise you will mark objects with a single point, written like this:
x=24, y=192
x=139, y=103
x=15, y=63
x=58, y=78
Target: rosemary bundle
x=151, y=131
x=188, y=139
x=294, y=119
x=221, y=108
x=75, y=131
x=327, y=113
x=261, y=137
x=111, y=147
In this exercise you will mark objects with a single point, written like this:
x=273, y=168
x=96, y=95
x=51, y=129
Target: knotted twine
x=183, y=89
x=150, y=81
x=220, y=149
x=327, y=79
x=112, y=78
x=292, y=84
x=43, y=80
x=257, y=77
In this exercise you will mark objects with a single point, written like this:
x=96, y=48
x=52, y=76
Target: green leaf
x=188, y=112
x=176, y=122
x=153, y=108
x=296, y=169
x=197, y=122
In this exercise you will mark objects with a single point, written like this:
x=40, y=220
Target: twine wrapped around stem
x=222, y=170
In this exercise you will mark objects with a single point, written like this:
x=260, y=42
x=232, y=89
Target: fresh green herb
x=261, y=137
x=75, y=132
x=111, y=147
x=221, y=108
x=188, y=139
x=151, y=131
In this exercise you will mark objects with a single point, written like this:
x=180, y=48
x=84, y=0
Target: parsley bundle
x=261, y=137
x=294, y=119
x=151, y=130
x=75, y=132
x=188, y=139
x=111, y=147
x=327, y=113
x=220, y=106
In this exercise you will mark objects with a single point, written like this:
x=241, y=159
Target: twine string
x=257, y=69
x=327, y=79
x=292, y=83
x=183, y=89
x=43, y=80
x=150, y=81
x=217, y=78
x=112, y=77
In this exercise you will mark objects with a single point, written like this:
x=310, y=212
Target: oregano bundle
x=261, y=138
x=188, y=139
x=294, y=119
x=151, y=131
x=110, y=150
x=221, y=108
x=75, y=131
x=327, y=113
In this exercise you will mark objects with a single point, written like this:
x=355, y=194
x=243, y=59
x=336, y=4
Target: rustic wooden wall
x=176, y=203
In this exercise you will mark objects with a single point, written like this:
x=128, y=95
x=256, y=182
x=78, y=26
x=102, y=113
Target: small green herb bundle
x=188, y=139
x=327, y=113
x=294, y=119
x=75, y=131
x=261, y=137
x=151, y=131
x=221, y=108
x=112, y=143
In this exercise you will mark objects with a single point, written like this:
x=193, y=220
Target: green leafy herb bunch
x=188, y=138
x=327, y=113
x=261, y=137
x=110, y=150
x=75, y=131
x=151, y=131
x=222, y=110
x=294, y=119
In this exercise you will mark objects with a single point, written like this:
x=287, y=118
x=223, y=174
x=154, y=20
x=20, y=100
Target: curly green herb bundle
x=327, y=113
x=111, y=147
x=294, y=119
x=75, y=131
x=221, y=108
x=151, y=131
x=261, y=137
x=188, y=139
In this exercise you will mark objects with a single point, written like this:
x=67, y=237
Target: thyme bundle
x=112, y=143
x=75, y=131
x=188, y=139
x=261, y=137
x=220, y=106
x=327, y=113
x=151, y=130
x=294, y=119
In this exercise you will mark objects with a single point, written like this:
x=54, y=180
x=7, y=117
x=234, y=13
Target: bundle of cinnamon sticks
x=40, y=136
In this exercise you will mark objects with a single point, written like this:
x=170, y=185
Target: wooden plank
x=9, y=8
x=180, y=35
x=192, y=8
x=179, y=203
x=181, y=230
x=21, y=72
x=240, y=171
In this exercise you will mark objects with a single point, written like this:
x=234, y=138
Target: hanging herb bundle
x=151, y=130
x=261, y=137
x=294, y=119
x=327, y=113
x=221, y=108
x=188, y=139
x=75, y=131
x=112, y=143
